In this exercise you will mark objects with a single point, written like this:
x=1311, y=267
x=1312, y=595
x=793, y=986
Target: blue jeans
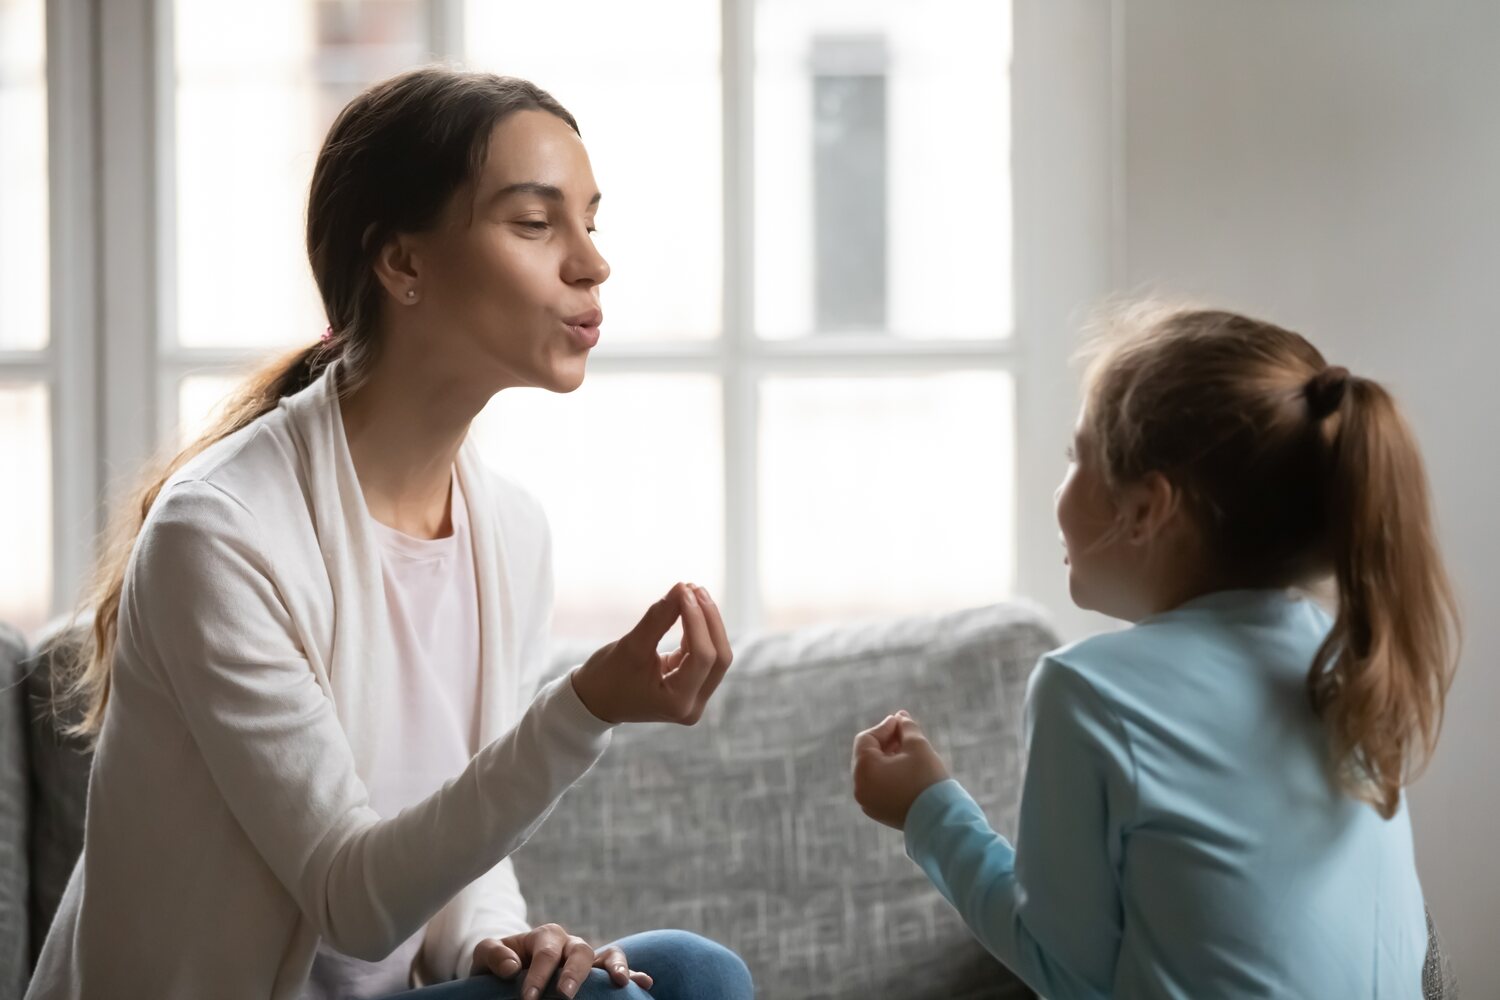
x=682, y=966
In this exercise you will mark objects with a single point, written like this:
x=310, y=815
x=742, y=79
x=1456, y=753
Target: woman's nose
x=586, y=266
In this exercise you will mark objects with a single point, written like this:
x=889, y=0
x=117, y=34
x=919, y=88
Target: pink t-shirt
x=432, y=596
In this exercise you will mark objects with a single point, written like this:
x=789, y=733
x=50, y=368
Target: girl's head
x=1214, y=451
x=449, y=220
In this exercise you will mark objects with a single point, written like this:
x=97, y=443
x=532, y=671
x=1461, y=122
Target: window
x=810, y=319
x=26, y=384
x=848, y=357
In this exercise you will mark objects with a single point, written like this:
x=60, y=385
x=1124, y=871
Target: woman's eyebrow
x=549, y=191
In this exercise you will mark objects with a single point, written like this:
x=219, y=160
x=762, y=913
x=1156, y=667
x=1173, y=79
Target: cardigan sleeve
x=1050, y=907
x=209, y=619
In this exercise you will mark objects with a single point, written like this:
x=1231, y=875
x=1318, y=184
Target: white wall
x=1334, y=165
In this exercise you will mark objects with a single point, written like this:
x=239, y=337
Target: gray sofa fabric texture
x=15, y=814
x=743, y=828
x=60, y=777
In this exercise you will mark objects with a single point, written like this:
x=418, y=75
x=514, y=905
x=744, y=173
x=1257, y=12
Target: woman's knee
x=682, y=960
x=598, y=986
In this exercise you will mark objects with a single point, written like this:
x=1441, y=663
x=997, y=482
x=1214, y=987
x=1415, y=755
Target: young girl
x=310, y=680
x=1213, y=801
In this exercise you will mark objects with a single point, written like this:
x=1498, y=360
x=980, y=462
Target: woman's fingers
x=658, y=620
x=578, y=959
x=686, y=682
x=714, y=622
x=630, y=681
x=642, y=980
x=494, y=956
x=545, y=946
x=720, y=637
x=612, y=960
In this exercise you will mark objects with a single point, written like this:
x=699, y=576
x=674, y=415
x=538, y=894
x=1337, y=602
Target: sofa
x=741, y=828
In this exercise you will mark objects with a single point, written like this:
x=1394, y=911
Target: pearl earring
x=411, y=294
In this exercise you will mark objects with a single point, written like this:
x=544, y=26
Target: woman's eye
x=534, y=225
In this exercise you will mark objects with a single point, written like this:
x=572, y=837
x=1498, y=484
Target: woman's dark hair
x=391, y=161
x=1292, y=470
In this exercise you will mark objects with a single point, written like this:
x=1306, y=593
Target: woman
x=315, y=647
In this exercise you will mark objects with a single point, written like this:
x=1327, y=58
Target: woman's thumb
x=660, y=617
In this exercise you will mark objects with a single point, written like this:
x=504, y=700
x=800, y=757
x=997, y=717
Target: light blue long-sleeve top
x=1180, y=832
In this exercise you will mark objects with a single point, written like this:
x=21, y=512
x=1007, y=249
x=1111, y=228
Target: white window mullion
x=130, y=146
x=741, y=415
x=162, y=106
x=73, y=266
x=1063, y=101
x=445, y=27
x=25, y=366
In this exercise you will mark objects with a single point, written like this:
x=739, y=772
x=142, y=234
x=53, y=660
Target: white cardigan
x=228, y=828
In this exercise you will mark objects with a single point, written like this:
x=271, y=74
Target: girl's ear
x=1148, y=507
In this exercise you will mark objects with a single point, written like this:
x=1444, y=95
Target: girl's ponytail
x=1292, y=471
x=1380, y=679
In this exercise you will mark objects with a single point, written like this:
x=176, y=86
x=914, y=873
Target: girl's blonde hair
x=1293, y=470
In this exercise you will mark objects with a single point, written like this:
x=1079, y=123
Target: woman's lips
x=584, y=328
x=584, y=336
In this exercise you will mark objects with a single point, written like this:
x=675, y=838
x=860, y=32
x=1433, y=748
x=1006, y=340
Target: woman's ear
x=1149, y=506
x=396, y=267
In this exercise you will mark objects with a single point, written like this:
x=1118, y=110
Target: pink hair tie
x=327, y=333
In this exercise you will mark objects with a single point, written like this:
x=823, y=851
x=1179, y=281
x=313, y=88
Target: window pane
x=882, y=168
x=256, y=93
x=24, y=240
x=644, y=83
x=198, y=399
x=25, y=507
x=885, y=495
x=630, y=471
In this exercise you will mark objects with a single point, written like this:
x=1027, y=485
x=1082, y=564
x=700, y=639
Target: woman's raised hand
x=629, y=681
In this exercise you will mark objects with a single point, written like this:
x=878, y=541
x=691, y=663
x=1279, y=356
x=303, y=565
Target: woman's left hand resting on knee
x=625, y=681
x=548, y=950
x=893, y=764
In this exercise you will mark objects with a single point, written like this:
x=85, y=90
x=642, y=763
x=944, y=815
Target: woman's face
x=510, y=281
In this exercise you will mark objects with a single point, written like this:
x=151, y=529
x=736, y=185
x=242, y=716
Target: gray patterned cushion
x=15, y=807
x=60, y=775
x=743, y=828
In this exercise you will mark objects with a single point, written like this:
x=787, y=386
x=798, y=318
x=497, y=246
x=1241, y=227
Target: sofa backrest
x=744, y=829
x=59, y=777
x=741, y=828
x=15, y=819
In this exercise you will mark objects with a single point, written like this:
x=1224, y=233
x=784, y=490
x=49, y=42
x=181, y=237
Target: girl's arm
x=207, y=619
x=1050, y=907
